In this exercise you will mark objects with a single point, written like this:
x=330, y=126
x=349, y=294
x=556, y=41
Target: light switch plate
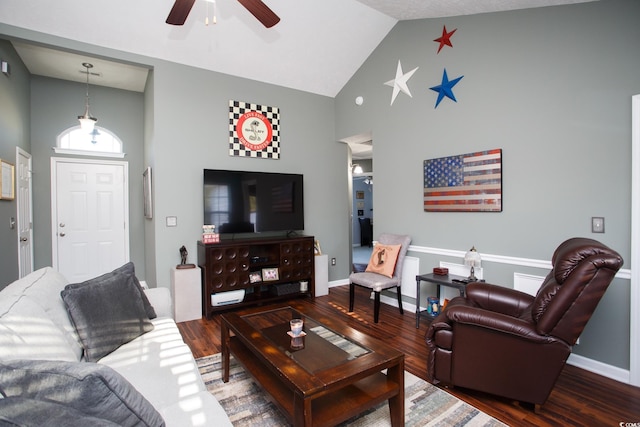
x=597, y=224
x=172, y=221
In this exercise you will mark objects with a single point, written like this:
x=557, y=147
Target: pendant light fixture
x=87, y=122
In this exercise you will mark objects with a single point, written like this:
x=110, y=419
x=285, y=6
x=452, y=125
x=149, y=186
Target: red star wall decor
x=445, y=39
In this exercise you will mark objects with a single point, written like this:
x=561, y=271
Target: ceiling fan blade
x=261, y=11
x=180, y=12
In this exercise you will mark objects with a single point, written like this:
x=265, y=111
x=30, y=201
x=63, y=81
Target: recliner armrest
x=498, y=298
x=496, y=321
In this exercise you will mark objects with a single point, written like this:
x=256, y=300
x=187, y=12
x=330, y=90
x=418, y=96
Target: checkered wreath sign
x=254, y=130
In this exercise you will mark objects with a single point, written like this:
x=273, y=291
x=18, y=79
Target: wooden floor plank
x=580, y=398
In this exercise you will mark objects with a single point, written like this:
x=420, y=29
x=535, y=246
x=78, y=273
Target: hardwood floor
x=580, y=398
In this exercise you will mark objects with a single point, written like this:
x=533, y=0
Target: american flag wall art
x=464, y=183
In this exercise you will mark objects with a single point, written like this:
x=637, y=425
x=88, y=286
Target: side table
x=449, y=280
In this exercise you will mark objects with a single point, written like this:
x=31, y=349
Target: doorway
x=361, y=189
x=90, y=216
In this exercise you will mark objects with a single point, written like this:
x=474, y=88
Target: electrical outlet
x=333, y=261
x=597, y=224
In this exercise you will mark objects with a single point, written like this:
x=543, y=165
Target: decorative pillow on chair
x=383, y=259
x=106, y=314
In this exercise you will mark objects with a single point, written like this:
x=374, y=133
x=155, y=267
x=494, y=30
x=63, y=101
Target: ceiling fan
x=181, y=8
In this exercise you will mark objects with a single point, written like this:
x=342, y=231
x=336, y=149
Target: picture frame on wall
x=146, y=189
x=469, y=182
x=359, y=194
x=270, y=274
x=7, y=180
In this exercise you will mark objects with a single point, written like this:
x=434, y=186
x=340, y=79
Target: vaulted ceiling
x=316, y=47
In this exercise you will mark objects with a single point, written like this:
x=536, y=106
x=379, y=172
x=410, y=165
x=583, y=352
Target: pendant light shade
x=87, y=122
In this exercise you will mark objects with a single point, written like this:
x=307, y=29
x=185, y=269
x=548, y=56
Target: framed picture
x=255, y=277
x=360, y=212
x=359, y=194
x=146, y=189
x=464, y=183
x=270, y=274
x=7, y=181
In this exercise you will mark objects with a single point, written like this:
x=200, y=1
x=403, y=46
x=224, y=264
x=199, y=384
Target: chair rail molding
x=501, y=259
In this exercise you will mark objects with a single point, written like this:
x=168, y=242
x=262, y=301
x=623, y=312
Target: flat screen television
x=253, y=202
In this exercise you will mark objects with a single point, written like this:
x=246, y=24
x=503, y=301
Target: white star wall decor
x=400, y=82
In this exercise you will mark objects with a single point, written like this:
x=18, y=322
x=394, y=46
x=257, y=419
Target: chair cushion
x=383, y=259
x=374, y=281
x=106, y=314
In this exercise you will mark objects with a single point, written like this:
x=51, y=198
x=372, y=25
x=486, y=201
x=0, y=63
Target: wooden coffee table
x=330, y=375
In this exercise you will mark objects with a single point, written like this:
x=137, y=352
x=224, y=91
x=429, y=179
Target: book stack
x=209, y=234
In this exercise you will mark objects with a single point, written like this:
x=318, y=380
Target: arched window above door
x=100, y=142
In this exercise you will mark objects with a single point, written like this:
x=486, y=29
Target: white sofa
x=35, y=325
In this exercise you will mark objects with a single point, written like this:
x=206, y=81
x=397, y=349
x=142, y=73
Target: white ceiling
x=316, y=47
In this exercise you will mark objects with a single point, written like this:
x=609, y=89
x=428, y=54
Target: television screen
x=250, y=202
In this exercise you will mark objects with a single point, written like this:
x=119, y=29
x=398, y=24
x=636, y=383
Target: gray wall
x=191, y=133
x=550, y=86
x=14, y=131
x=55, y=105
x=181, y=127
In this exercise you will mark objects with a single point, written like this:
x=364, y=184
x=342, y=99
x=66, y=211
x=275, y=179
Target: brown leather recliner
x=508, y=343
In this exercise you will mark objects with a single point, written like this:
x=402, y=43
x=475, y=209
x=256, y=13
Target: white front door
x=90, y=214
x=25, y=213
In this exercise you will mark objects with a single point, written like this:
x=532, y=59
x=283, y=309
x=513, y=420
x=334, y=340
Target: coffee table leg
x=225, y=351
x=301, y=411
x=396, y=403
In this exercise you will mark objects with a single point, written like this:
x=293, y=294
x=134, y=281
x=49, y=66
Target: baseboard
x=609, y=371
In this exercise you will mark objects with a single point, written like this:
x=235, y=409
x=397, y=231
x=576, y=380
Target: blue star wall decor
x=446, y=88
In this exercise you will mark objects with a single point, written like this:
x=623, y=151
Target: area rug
x=425, y=405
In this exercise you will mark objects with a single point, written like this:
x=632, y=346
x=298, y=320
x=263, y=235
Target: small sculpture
x=183, y=259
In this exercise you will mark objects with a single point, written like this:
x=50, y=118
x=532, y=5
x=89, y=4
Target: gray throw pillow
x=24, y=412
x=106, y=314
x=90, y=389
x=127, y=269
